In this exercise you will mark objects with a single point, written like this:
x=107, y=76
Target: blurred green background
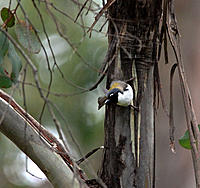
x=80, y=112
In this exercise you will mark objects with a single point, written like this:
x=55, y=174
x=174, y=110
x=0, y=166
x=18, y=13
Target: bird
x=120, y=93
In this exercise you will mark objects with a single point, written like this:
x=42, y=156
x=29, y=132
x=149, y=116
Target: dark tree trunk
x=129, y=134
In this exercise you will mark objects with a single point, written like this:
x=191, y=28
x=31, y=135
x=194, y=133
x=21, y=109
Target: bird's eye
x=111, y=94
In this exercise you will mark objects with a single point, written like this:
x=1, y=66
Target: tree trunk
x=129, y=134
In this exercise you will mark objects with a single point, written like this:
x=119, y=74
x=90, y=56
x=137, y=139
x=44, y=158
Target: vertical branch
x=129, y=154
x=187, y=100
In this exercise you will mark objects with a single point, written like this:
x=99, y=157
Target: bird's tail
x=101, y=101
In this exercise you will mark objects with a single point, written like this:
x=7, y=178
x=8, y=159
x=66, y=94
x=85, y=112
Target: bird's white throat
x=126, y=98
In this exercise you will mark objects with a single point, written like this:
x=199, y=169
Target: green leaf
x=27, y=37
x=8, y=17
x=5, y=81
x=15, y=61
x=3, y=46
x=184, y=141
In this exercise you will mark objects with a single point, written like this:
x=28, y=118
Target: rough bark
x=129, y=135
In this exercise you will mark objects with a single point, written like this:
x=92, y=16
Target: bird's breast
x=125, y=98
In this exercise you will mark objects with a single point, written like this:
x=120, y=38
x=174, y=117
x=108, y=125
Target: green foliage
x=8, y=17
x=184, y=141
x=7, y=48
x=80, y=111
x=27, y=37
x=15, y=61
x=3, y=46
x=5, y=81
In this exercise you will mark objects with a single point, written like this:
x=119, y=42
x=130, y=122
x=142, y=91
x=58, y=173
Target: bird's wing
x=101, y=101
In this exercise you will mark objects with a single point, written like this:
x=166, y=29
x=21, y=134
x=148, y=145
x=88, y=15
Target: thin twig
x=89, y=154
x=105, y=7
x=191, y=120
x=80, y=10
x=171, y=114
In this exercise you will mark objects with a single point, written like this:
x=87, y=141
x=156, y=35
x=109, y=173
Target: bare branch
x=105, y=7
x=191, y=119
x=17, y=129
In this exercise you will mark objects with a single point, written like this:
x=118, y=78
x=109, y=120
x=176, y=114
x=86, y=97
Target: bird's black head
x=112, y=96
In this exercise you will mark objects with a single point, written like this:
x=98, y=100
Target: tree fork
x=129, y=156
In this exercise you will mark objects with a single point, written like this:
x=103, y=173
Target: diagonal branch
x=39, y=144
